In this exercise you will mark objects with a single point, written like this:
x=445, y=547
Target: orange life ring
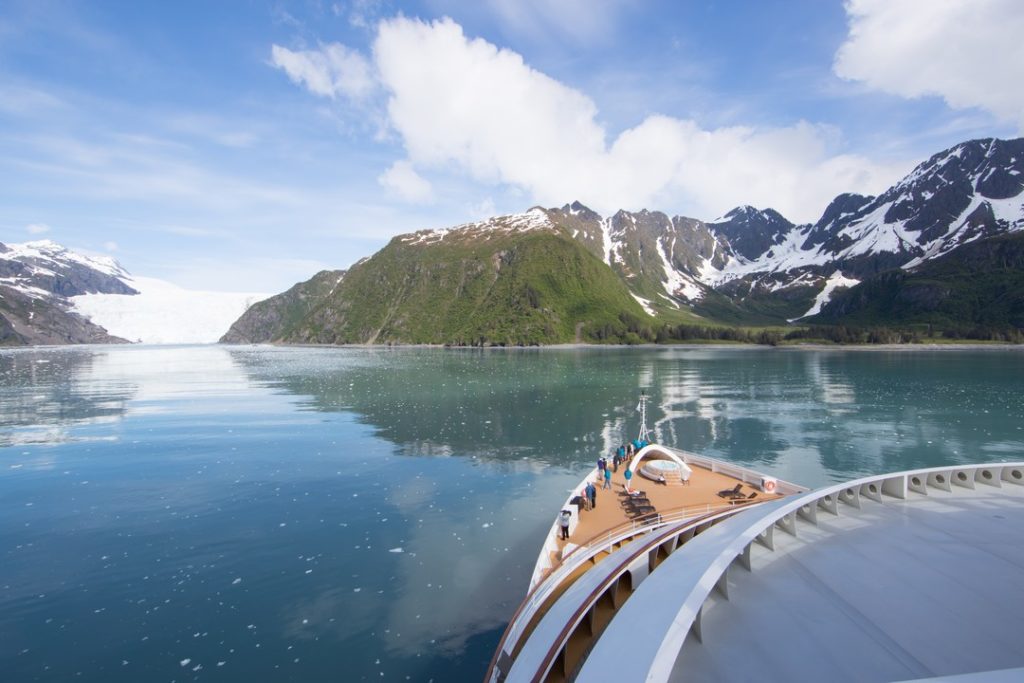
x=769, y=486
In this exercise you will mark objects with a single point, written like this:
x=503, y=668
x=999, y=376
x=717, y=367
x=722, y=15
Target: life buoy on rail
x=768, y=485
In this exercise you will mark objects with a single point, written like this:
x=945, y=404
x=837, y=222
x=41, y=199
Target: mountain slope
x=36, y=279
x=32, y=318
x=516, y=279
x=272, y=319
x=981, y=284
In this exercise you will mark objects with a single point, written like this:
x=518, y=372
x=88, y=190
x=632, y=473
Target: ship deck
x=700, y=493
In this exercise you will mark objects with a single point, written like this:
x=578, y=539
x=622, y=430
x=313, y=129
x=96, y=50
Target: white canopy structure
x=656, y=452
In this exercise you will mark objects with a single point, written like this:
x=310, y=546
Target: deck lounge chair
x=731, y=493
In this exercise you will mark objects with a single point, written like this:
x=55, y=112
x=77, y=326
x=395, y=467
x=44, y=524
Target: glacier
x=164, y=313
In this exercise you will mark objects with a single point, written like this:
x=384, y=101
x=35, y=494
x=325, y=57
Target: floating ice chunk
x=396, y=550
x=236, y=581
x=486, y=524
x=185, y=662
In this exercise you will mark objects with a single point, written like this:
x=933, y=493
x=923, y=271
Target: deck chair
x=731, y=493
x=743, y=499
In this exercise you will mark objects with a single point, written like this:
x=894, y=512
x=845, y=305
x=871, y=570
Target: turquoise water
x=238, y=514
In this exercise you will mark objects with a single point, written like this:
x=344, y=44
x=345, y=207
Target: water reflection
x=46, y=392
x=379, y=511
x=813, y=416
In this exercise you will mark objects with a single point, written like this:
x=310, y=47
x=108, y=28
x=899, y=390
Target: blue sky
x=245, y=145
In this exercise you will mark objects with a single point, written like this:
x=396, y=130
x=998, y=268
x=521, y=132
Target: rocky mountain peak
x=752, y=232
x=581, y=211
x=44, y=266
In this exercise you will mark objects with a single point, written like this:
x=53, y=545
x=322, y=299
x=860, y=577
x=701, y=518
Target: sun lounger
x=731, y=493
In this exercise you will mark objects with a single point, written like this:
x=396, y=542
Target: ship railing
x=605, y=541
x=594, y=546
x=654, y=659
x=516, y=629
x=744, y=474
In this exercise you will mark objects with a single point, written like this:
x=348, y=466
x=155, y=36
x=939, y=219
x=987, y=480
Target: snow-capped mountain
x=44, y=268
x=52, y=295
x=758, y=260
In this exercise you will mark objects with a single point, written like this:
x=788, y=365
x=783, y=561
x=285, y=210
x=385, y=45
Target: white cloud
x=110, y=246
x=464, y=104
x=403, y=179
x=969, y=52
x=331, y=71
x=37, y=228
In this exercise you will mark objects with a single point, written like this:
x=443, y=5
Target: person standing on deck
x=607, y=478
x=592, y=494
x=602, y=464
x=563, y=519
x=629, y=476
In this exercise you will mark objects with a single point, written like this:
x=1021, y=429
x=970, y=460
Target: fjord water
x=258, y=513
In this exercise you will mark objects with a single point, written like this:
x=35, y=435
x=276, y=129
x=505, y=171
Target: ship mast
x=642, y=407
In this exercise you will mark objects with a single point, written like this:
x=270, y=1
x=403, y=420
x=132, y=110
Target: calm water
x=239, y=514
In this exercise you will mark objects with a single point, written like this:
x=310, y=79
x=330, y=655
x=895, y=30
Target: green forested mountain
x=514, y=280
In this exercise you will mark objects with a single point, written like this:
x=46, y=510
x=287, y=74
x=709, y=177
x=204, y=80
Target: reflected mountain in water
x=44, y=393
x=809, y=415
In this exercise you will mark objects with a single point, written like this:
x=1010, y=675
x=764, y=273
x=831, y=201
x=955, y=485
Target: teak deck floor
x=609, y=513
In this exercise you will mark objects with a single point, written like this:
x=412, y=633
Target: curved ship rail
x=604, y=542
x=635, y=557
x=696, y=575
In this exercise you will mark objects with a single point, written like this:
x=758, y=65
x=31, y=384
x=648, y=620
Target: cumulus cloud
x=464, y=104
x=37, y=228
x=403, y=179
x=330, y=71
x=969, y=52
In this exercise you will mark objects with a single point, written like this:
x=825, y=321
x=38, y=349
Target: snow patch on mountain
x=47, y=255
x=606, y=239
x=836, y=281
x=786, y=255
x=163, y=313
x=534, y=219
x=647, y=306
x=675, y=282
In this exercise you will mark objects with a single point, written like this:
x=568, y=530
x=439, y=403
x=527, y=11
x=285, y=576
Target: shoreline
x=952, y=346
x=946, y=346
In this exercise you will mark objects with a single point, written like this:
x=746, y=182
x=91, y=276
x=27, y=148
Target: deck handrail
x=623, y=566
x=543, y=590
x=654, y=659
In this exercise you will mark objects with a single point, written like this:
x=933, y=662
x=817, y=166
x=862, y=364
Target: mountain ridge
x=751, y=266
